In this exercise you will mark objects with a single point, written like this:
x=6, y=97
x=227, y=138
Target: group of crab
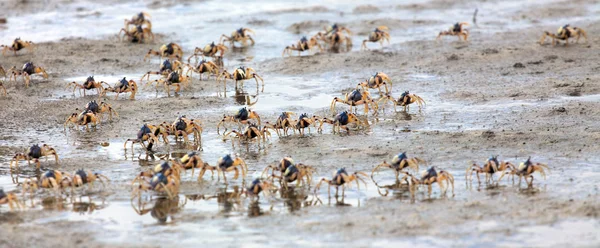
x=49, y=179
x=362, y=96
x=182, y=128
x=122, y=86
x=563, y=33
x=139, y=29
x=27, y=70
x=444, y=179
x=172, y=68
x=336, y=38
x=492, y=165
x=251, y=129
x=166, y=176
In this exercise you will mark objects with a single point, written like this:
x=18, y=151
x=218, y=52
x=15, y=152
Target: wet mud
x=500, y=93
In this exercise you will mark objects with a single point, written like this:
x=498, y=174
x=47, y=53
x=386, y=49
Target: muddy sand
x=501, y=93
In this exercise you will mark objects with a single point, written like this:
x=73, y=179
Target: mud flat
x=500, y=93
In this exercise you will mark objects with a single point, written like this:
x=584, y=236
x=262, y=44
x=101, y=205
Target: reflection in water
x=294, y=199
x=88, y=207
x=232, y=202
x=254, y=209
x=76, y=204
x=243, y=98
x=339, y=201
x=399, y=190
x=228, y=201
x=163, y=208
x=53, y=203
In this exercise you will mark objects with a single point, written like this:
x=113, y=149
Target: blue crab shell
x=82, y=175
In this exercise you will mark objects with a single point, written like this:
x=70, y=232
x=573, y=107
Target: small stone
x=519, y=65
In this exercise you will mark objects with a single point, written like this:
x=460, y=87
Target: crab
x=456, y=30
x=251, y=133
x=159, y=183
x=165, y=68
x=284, y=121
x=50, y=179
x=491, y=166
x=242, y=35
x=227, y=164
x=172, y=51
x=164, y=168
x=564, y=33
x=376, y=81
x=337, y=40
x=258, y=186
x=304, y=44
x=342, y=178
x=144, y=134
x=139, y=19
x=241, y=74
x=283, y=164
x=34, y=153
x=526, y=169
x=305, y=122
x=182, y=127
x=10, y=199
x=84, y=118
x=355, y=98
x=204, y=67
x=123, y=86
x=380, y=34
x=398, y=163
x=335, y=28
x=404, y=100
x=82, y=177
x=162, y=130
x=174, y=78
x=100, y=109
x=137, y=33
x=162, y=178
x=243, y=116
x=89, y=84
x=336, y=35
x=340, y=121
x=290, y=172
x=27, y=71
x=431, y=176
x=17, y=45
x=209, y=50
x=191, y=161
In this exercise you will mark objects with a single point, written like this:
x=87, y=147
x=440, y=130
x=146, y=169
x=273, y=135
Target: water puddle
x=287, y=93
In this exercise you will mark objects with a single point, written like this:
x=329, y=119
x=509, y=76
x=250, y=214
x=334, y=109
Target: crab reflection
x=162, y=209
x=399, y=190
x=87, y=207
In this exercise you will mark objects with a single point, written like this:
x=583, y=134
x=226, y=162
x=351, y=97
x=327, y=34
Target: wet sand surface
x=500, y=93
